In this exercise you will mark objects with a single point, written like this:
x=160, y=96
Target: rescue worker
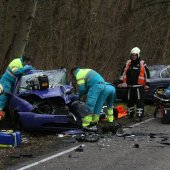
x=14, y=69
x=108, y=97
x=2, y=114
x=167, y=92
x=135, y=75
x=92, y=84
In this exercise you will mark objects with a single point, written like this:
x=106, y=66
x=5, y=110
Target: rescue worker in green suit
x=92, y=84
x=14, y=69
x=108, y=97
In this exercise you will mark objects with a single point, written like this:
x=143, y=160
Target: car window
x=54, y=76
x=152, y=73
x=165, y=73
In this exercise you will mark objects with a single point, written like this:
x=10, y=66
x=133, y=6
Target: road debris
x=136, y=145
x=21, y=155
x=80, y=149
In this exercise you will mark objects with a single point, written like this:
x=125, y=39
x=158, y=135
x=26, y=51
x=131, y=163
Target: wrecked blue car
x=42, y=100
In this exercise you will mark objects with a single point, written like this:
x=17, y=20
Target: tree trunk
x=131, y=5
x=9, y=33
x=21, y=38
x=166, y=42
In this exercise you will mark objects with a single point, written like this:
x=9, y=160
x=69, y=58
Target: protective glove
x=28, y=67
x=122, y=85
x=2, y=115
x=1, y=89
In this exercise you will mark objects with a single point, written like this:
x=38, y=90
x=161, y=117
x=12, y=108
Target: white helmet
x=135, y=50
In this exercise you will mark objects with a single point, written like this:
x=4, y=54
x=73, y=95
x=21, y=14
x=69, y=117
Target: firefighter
x=135, y=75
x=14, y=69
x=92, y=84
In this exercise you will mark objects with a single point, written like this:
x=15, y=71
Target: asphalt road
x=118, y=153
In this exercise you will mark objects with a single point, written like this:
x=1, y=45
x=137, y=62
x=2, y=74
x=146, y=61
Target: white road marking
x=69, y=150
x=50, y=157
x=137, y=124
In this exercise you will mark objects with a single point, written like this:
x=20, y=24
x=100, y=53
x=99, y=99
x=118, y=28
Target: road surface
x=142, y=149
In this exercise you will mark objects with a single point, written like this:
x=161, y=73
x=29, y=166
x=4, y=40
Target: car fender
x=18, y=104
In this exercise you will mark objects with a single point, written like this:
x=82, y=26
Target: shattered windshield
x=55, y=77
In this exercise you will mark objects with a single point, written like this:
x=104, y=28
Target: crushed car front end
x=47, y=109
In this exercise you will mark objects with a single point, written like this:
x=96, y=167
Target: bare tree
x=167, y=36
x=9, y=32
x=16, y=40
x=22, y=36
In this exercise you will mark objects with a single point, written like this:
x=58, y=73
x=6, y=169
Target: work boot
x=90, y=128
x=130, y=116
x=138, y=119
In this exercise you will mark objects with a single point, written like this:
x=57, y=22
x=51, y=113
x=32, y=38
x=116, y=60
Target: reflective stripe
x=10, y=73
x=86, y=120
x=95, y=118
x=131, y=109
x=128, y=63
x=81, y=75
x=109, y=111
x=134, y=85
x=5, y=146
x=142, y=78
x=139, y=111
x=138, y=93
x=110, y=118
x=128, y=94
x=15, y=68
x=142, y=74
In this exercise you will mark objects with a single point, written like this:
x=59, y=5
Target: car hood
x=51, y=92
x=162, y=80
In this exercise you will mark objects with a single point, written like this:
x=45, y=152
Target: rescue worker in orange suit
x=135, y=75
x=92, y=84
x=14, y=69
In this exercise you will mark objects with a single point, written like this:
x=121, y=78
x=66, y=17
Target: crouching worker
x=92, y=84
x=14, y=69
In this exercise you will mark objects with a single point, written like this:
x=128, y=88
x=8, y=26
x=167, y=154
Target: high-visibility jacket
x=14, y=69
x=142, y=74
x=86, y=78
x=81, y=76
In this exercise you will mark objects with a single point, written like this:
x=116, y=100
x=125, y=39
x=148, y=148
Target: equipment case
x=8, y=138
